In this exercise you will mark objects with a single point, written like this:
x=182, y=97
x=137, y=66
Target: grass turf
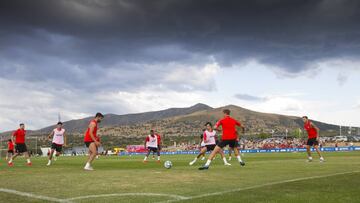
x=277, y=177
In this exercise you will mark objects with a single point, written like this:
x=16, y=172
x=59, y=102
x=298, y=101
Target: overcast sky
x=79, y=57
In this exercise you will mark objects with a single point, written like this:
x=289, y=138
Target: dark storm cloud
x=138, y=40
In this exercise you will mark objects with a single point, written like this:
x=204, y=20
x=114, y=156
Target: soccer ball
x=168, y=164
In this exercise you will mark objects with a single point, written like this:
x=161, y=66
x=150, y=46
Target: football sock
x=239, y=158
x=208, y=162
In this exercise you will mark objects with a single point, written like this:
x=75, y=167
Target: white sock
x=208, y=162
x=11, y=160
x=158, y=158
x=145, y=158
x=87, y=165
x=49, y=161
x=28, y=161
x=310, y=158
x=239, y=158
x=225, y=161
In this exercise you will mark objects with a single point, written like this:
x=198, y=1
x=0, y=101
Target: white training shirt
x=210, y=137
x=58, y=136
x=152, y=141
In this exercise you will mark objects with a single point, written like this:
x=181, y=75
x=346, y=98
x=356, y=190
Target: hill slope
x=254, y=121
x=76, y=126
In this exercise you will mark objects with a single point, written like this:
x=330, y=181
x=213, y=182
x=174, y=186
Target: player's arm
x=205, y=138
x=243, y=129
x=92, y=127
x=146, y=140
x=317, y=129
x=50, y=135
x=13, y=137
x=65, y=140
x=217, y=125
x=240, y=126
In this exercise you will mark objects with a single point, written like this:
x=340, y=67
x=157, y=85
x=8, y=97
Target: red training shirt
x=228, y=125
x=87, y=137
x=19, y=135
x=312, y=133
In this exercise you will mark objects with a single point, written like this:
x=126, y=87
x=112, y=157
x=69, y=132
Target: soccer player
x=229, y=137
x=152, y=144
x=313, y=138
x=159, y=145
x=92, y=141
x=10, y=151
x=209, y=138
x=58, y=141
x=20, y=146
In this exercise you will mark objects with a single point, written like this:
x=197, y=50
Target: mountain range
x=183, y=122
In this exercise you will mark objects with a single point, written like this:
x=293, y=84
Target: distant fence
x=324, y=149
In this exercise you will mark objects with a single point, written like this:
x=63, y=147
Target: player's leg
x=212, y=155
x=158, y=155
x=50, y=157
x=308, y=149
x=202, y=153
x=51, y=154
x=58, y=151
x=147, y=155
x=222, y=154
x=27, y=157
x=238, y=157
x=230, y=155
x=319, y=153
x=202, y=157
x=12, y=157
x=8, y=156
x=16, y=154
x=92, y=155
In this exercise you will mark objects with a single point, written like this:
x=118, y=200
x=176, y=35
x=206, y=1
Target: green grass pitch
x=270, y=178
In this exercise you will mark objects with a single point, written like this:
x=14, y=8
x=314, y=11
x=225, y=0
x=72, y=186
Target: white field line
x=26, y=194
x=176, y=197
x=259, y=186
x=69, y=200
